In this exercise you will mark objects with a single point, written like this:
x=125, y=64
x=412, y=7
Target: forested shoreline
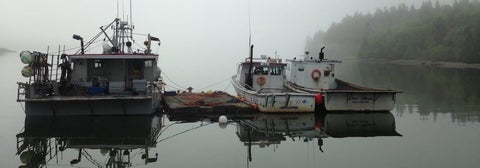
x=433, y=32
x=4, y=50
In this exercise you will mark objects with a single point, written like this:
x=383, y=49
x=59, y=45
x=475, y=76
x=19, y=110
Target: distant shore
x=4, y=50
x=443, y=64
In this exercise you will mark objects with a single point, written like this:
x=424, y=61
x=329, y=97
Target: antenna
x=131, y=18
x=123, y=10
x=249, y=26
x=117, y=8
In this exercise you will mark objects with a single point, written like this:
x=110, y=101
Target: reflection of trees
x=434, y=90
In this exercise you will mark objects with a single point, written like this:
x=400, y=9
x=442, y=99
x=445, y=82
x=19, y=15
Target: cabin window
x=98, y=64
x=260, y=70
x=275, y=70
x=301, y=68
x=148, y=63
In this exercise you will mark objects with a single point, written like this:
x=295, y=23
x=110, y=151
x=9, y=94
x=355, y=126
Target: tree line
x=433, y=32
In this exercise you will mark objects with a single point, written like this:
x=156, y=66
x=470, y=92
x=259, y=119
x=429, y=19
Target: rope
x=172, y=88
x=223, y=80
x=23, y=108
x=228, y=86
x=174, y=135
x=182, y=88
x=90, y=158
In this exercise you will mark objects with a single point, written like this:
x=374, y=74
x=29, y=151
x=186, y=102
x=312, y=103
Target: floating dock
x=204, y=103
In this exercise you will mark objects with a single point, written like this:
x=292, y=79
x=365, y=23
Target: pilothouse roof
x=114, y=56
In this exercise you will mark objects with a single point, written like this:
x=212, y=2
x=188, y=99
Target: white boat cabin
x=267, y=74
x=312, y=73
x=116, y=73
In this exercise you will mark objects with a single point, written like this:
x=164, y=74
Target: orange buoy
x=319, y=99
x=255, y=107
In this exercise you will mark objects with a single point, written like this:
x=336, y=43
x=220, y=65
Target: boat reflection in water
x=104, y=141
x=269, y=129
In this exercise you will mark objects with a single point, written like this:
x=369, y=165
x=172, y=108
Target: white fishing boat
x=120, y=80
x=317, y=75
x=260, y=82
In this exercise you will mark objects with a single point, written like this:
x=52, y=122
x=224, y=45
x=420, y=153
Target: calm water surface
x=434, y=124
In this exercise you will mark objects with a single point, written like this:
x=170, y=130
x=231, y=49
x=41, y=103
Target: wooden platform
x=205, y=103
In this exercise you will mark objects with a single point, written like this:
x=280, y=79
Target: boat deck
x=87, y=98
x=205, y=103
x=342, y=87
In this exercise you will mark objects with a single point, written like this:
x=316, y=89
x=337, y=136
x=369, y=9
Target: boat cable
x=228, y=86
x=70, y=49
x=166, y=126
x=166, y=76
x=216, y=83
x=23, y=108
x=90, y=158
x=170, y=88
x=185, y=131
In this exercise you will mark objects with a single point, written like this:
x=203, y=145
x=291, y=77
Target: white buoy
x=222, y=126
x=222, y=119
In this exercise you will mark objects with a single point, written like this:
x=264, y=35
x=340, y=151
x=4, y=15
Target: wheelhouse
x=115, y=74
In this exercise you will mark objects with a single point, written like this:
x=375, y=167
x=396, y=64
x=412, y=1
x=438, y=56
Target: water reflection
x=427, y=90
x=104, y=141
x=126, y=141
x=269, y=129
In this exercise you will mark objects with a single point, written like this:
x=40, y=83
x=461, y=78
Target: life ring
x=316, y=74
x=261, y=80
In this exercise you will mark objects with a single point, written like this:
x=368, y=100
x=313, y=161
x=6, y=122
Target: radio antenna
x=249, y=26
x=117, y=8
x=131, y=18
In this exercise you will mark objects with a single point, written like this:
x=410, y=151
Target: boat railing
x=21, y=91
x=270, y=90
x=267, y=59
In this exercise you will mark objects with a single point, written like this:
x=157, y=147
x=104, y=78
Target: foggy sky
x=198, y=36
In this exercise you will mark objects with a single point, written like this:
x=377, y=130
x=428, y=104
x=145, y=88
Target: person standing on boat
x=66, y=71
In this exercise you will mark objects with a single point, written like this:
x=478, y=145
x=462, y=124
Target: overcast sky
x=198, y=36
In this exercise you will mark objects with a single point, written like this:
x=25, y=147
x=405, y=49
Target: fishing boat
x=316, y=75
x=119, y=80
x=260, y=82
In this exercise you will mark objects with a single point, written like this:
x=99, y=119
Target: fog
x=201, y=40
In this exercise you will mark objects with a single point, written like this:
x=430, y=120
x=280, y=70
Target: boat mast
x=249, y=79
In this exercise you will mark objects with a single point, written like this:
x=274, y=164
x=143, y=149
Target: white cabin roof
x=114, y=56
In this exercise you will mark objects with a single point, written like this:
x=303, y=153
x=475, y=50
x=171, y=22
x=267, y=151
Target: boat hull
x=352, y=98
x=92, y=106
x=359, y=101
x=285, y=102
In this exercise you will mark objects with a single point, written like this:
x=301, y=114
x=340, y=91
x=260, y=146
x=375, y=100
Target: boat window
x=275, y=70
x=260, y=70
x=301, y=68
x=98, y=64
x=148, y=63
